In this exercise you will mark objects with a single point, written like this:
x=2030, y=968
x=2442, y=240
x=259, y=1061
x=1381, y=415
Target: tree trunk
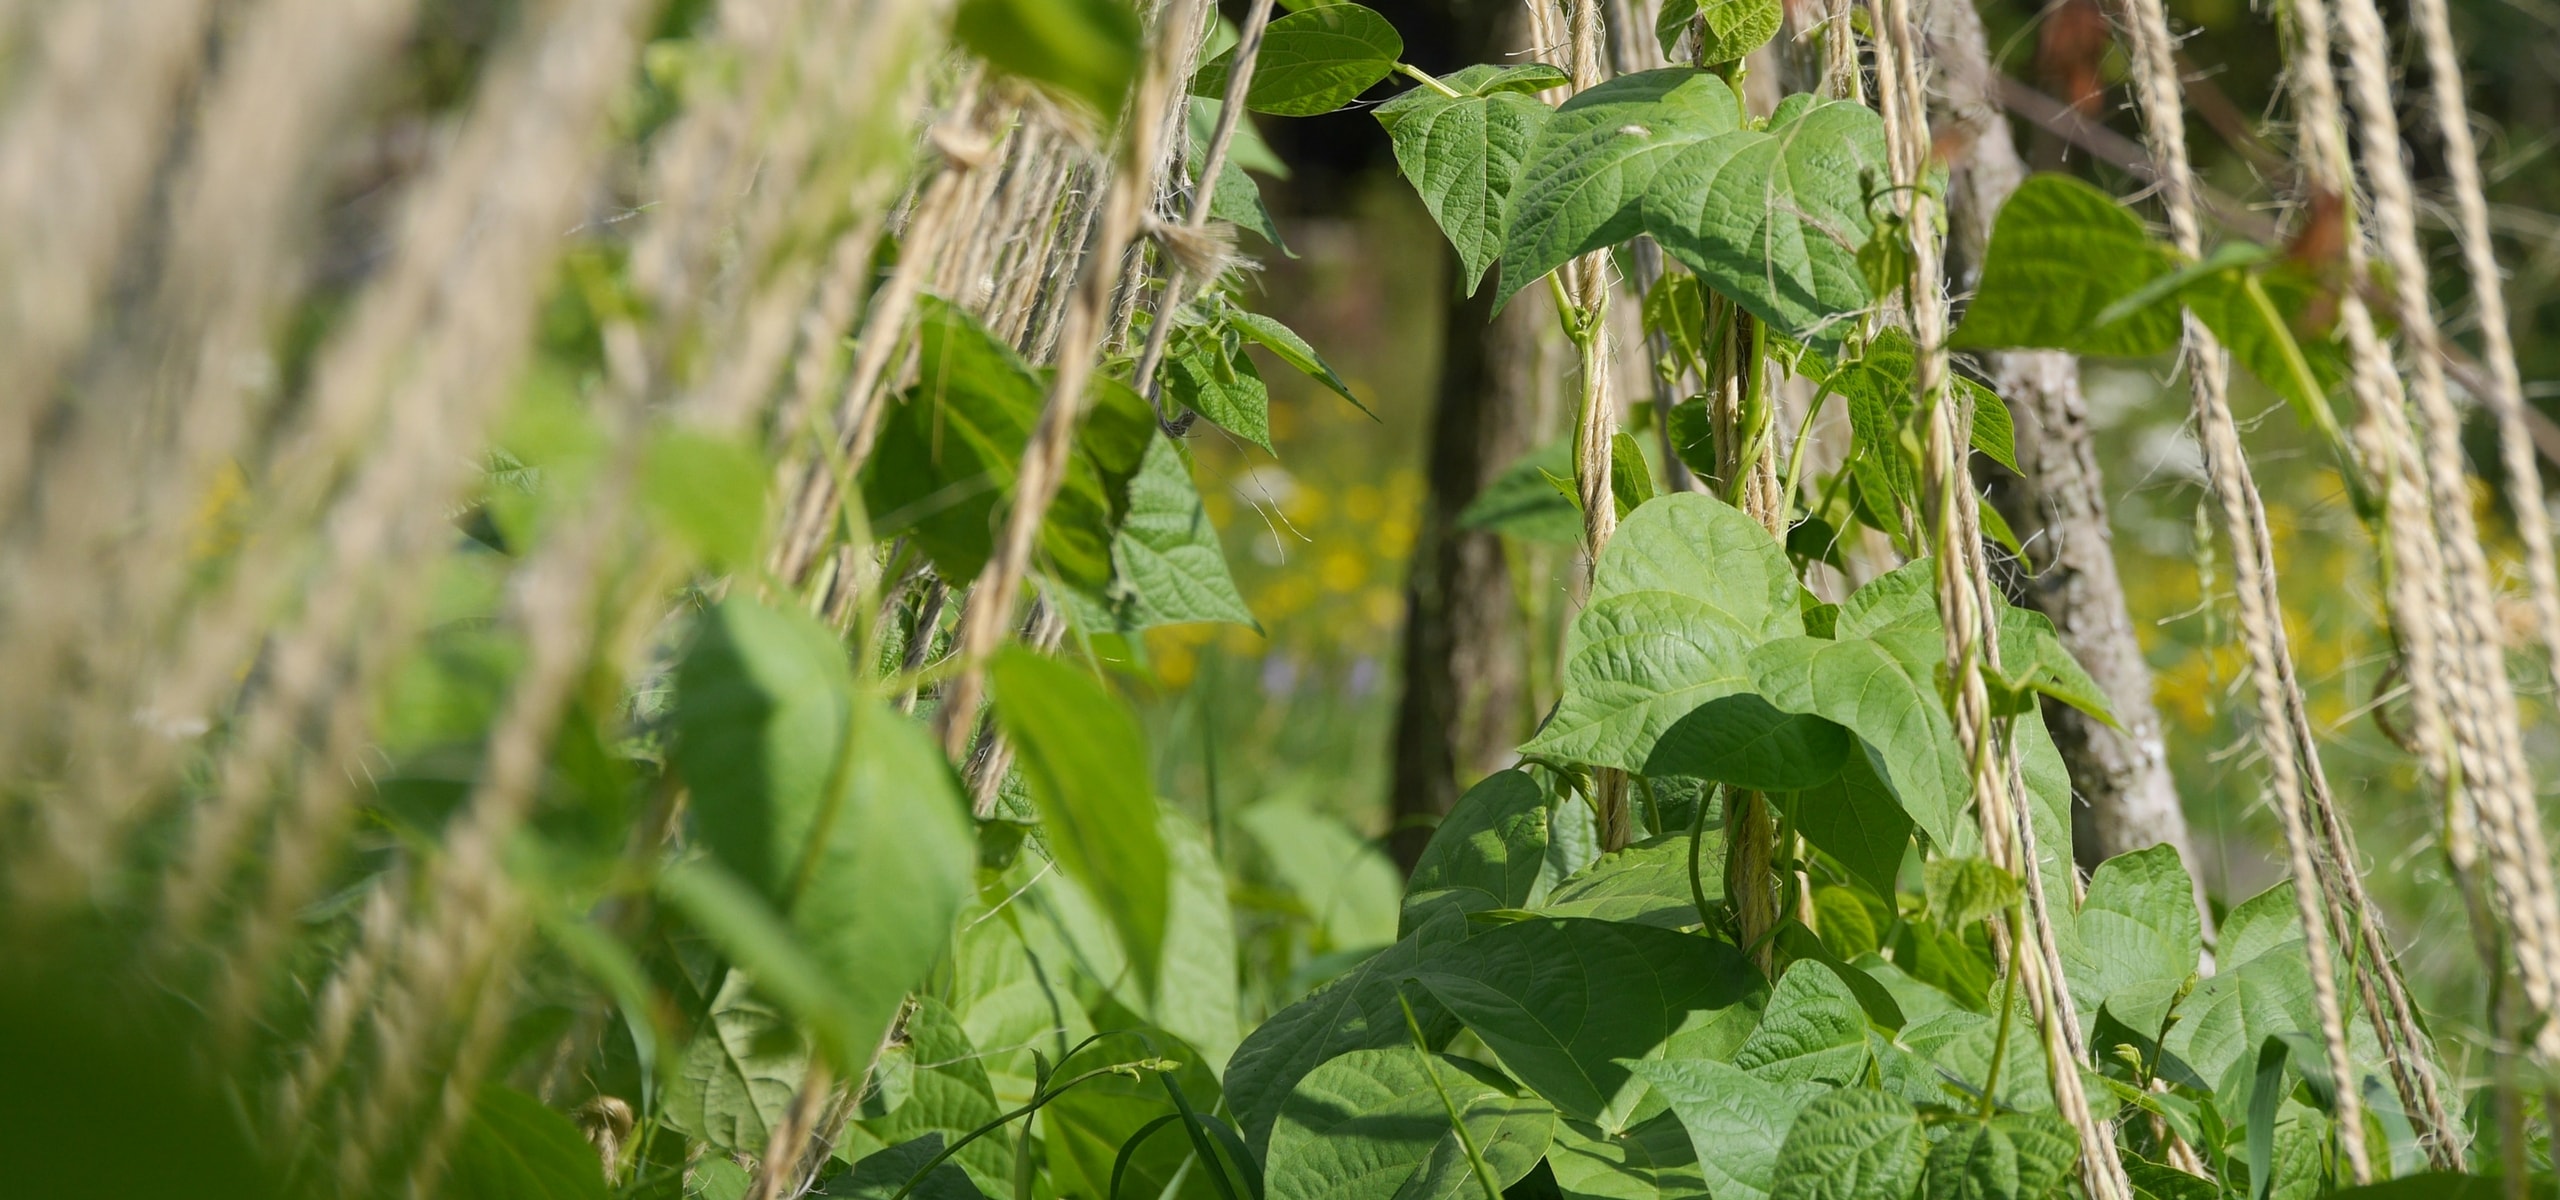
x=1460, y=708
x=2059, y=505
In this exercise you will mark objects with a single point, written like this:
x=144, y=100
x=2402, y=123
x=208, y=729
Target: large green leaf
x=1854, y=817
x=1086, y=49
x=1312, y=62
x=738, y=1076
x=1373, y=1125
x=1086, y=761
x=1852, y=1144
x=830, y=809
x=1884, y=689
x=1358, y=1011
x=2261, y=987
x=1645, y=884
x=1583, y=184
x=1685, y=589
x=947, y=1094
x=515, y=1148
x=1813, y=1029
x=2012, y=1156
x=1739, y=1117
x=1565, y=1003
x=1168, y=565
x=1773, y=217
x=1487, y=852
x=2138, y=937
x=1463, y=154
x=1654, y=1160
x=2062, y=253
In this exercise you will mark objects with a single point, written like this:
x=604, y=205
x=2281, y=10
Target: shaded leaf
x=1644, y=884
x=1372, y=1124
x=516, y=1148
x=1740, y=1116
x=1488, y=851
x=1565, y=1003
x=1086, y=761
x=2062, y=253
x=1085, y=49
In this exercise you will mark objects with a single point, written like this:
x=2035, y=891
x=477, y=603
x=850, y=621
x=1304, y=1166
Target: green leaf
x=738, y=1075
x=709, y=492
x=1086, y=761
x=1733, y=28
x=1228, y=391
x=1772, y=218
x=1312, y=62
x=1371, y=1125
x=1965, y=890
x=1884, y=689
x=1168, y=566
x=1652, y=1161
x=1630, y=478
x=1854, y=817
x=2033, y=661
x=1583, y=184
x=1235, y=197
x=1521, y=503
x=1358, y=1011
x=1084, y=49
x=1644, y=884
x=1285, y=345
x=882, y=1174
x=1993, y=432
x=1740, y=1117
x=2261, y=987
x=1742, y=741
x=1196, y=998
x=1852, y=1144
x=2235, y=304
x=1960, y=1045
x=1463, y=155
x=516, y=1148
x=2012, y=1156
x=948, y=1096
x=2137, y=930
x=2062, y=252
x=1339, y=878
x=1084, y=1130
x=836, y=812
x=1813, y=1029
x=1565, y=1003
x=1487, y=852
x=1684, y=590
x=948, y=453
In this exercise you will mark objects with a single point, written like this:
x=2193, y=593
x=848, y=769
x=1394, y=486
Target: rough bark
x=1459, y=714
x=2059, y=505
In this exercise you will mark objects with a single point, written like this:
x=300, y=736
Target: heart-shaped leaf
x=1773, y=218
x=1584, y=184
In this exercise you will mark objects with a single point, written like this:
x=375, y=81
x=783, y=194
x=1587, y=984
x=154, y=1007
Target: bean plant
x=785, y=922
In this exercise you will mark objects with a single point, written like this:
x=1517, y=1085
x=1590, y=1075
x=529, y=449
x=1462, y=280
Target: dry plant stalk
x=990, y=611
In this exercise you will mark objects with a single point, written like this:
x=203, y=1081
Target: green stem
x=1426, y=79
x=1795, y=449
x=1754, y=417
x=1697, y=881
x=2008, y=1015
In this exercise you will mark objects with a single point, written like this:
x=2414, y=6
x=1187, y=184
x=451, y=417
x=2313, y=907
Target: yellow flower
x=1343, y=571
